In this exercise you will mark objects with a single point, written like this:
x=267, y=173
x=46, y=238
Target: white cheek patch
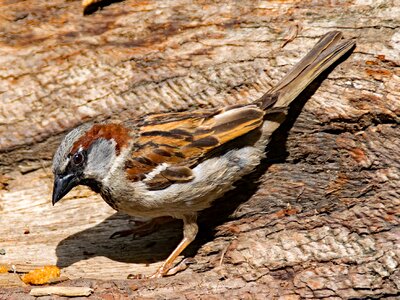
x=118, y=163
x=120, y=159
x=100, y=159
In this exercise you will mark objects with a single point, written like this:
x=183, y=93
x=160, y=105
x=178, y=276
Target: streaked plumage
x=176, y=163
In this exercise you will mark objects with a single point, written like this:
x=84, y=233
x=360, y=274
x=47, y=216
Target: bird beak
x=62, y=185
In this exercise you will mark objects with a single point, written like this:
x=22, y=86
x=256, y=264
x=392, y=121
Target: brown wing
x=182, y=139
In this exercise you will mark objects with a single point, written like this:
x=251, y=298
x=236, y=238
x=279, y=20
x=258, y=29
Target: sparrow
x=177, y=163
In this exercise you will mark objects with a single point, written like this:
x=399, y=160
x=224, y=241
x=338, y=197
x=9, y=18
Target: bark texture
x=319, y=218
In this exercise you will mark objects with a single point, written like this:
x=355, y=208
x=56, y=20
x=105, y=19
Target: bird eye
x=78, y=158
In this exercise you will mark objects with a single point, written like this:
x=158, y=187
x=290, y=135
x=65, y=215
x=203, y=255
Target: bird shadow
x=95, y=241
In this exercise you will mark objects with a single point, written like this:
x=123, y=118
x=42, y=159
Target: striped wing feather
x=182, y=139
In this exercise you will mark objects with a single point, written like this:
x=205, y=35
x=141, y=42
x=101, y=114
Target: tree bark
x=319, y=218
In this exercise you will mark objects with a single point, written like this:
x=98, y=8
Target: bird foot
x=163, y=271
x=182, y=266
x=143, y=228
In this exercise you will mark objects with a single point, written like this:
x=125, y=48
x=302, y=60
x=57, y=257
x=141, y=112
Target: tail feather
x=325, y=52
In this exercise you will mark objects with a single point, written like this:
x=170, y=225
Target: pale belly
x=212, y=178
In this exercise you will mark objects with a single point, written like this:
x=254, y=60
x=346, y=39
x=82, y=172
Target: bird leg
x=190, y=229
x=142, y=228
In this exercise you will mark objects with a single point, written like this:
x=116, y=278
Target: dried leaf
x=3, y=269
x=42, y=275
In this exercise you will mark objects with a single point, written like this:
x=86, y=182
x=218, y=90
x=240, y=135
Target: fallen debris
x=3, y=269
x=42, y=275
x=67, y=291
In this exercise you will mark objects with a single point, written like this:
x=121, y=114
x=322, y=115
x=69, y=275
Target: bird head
x=86, y=155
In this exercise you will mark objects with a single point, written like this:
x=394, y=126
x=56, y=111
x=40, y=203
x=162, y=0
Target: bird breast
x=212, y=178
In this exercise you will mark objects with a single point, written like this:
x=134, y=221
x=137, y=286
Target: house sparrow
x=176, y=163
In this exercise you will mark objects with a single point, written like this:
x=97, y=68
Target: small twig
x=68, y=291
x=292, y=34
x=225, y=250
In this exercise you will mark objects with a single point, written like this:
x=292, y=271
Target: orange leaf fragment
x=42, y=275
x=3, y=269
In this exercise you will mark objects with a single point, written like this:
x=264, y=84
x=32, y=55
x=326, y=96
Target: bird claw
x=122, y=233
x=142, y=228
x=182, y=266
x=140, y=231
x=164, y=272
x=136, y=276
